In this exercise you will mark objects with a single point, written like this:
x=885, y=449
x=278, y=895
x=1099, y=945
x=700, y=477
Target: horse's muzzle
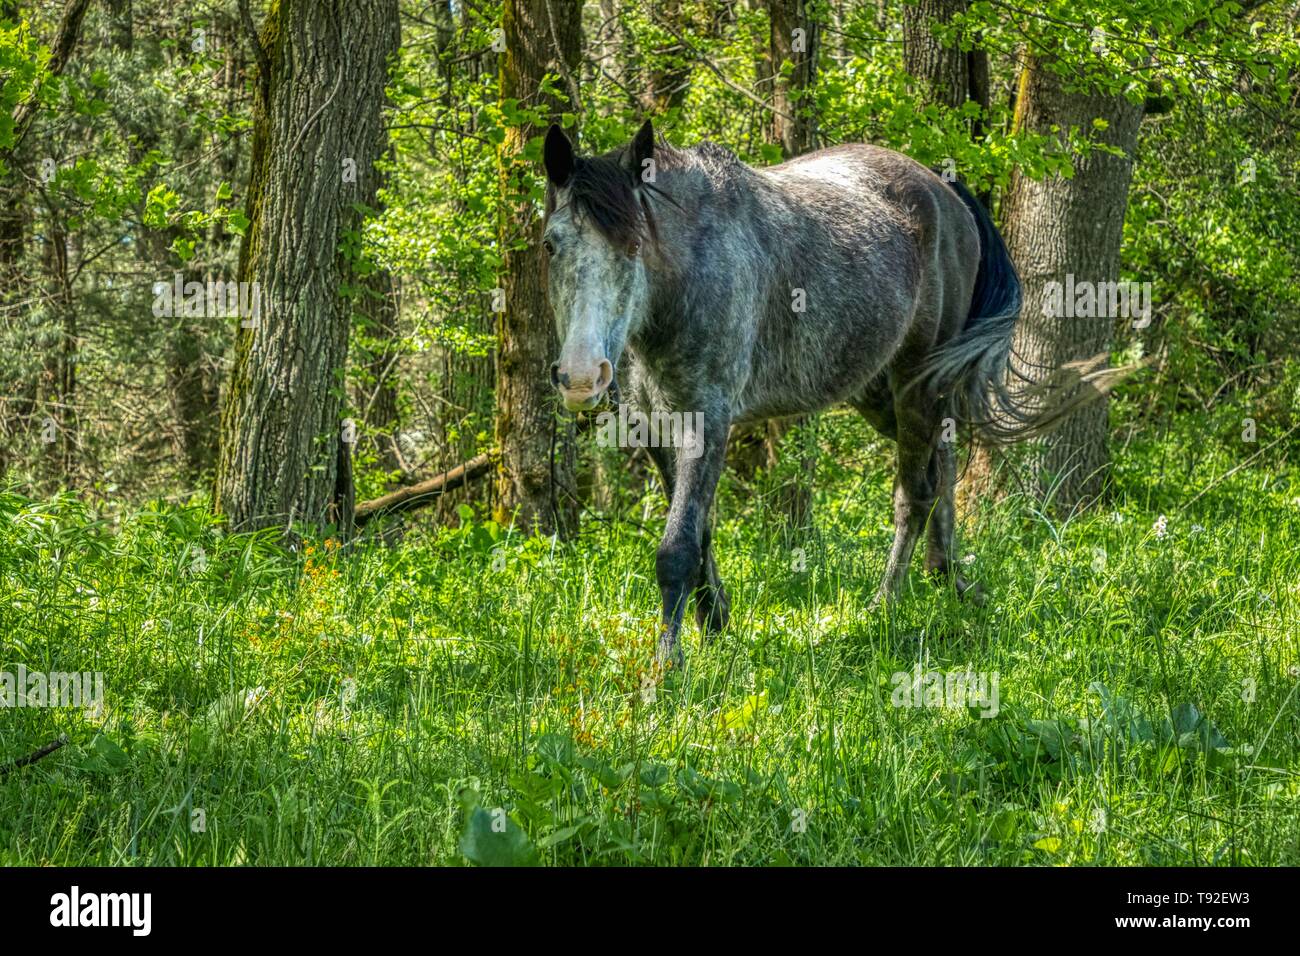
x=583, y=393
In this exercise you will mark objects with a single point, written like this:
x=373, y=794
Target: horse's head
x=597, y=224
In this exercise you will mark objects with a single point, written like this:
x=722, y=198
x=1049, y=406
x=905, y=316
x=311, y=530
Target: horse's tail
x=969, y=374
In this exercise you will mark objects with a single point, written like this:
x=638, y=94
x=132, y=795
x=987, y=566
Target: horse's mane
x=602, y=189
x=711, y=156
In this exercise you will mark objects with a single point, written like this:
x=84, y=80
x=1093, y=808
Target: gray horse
x=852, y=274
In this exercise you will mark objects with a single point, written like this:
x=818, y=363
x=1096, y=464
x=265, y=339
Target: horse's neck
x=746, y=245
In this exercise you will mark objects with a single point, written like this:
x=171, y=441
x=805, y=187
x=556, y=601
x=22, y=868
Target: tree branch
x=423, y=493
x=32, y=758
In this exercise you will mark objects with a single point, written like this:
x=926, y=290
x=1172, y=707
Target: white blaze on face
x=596, y=290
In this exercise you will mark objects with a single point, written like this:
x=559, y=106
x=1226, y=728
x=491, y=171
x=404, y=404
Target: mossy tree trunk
x=1055, y=228
x=323, y=66
x=536, y=478
x=1058, y=227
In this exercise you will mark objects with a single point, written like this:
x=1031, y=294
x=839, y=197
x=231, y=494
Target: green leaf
x=654, y=775
x=605, y=775
x=1193, y=731
x=237, y=221
x=105, y=757
x=493, y=839
x=558, y=837
x=1002, y=827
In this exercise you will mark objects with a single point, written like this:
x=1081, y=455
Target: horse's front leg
x=683, y=560
x=712, y=606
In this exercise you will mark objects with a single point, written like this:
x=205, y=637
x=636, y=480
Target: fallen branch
x=418, y=495
x=32, y=758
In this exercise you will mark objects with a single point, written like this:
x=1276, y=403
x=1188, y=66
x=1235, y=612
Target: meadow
x=461, y=695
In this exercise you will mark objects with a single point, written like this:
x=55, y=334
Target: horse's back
x=873, y=237
x=877, y=180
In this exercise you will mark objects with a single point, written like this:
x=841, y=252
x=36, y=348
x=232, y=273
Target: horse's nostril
x=556, y=377
x=605, y=375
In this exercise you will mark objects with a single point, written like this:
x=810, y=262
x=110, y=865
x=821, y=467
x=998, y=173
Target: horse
x=848, y=275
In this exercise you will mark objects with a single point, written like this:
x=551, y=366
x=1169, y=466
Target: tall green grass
x=467, y=696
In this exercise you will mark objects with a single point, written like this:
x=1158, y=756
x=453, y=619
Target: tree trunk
x=947, y=75
x=57, y=373
x=943, y=71
x=17, y=390
x=378, y=400
x=535, y=485
x=65, y=41
x=795, y=37
x=59, y=376
x=1059, y=227
x=317, y=133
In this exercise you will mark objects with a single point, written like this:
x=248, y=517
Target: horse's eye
x=633, y=247
x=549, y=247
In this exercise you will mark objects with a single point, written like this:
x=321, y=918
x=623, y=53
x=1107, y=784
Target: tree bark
x=317, y=134
x=1059, y=227
x=535, y=483
x=948, y=76
x=794, y=37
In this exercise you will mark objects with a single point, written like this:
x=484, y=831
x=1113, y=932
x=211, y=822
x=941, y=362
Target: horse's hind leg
x=940, y=554
x=915, y=489
x=941, y=551
x=712, y=606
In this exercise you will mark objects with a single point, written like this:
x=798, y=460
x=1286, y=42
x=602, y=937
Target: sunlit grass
x=465, y=695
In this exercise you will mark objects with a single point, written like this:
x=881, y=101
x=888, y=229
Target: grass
x=464, y=696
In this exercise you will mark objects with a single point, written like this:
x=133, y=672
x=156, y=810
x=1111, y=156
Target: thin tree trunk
x=18, y=391
x=379, y=402
x=65, y=41
x=794, y=38
x=59, y=377
x=536, y=481
x=15, y=219
x=947, y=75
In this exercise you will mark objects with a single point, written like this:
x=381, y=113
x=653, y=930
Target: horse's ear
x=643, y=154
x=557, y=155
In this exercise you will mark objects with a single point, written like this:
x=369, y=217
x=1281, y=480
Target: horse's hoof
x=669, y=653
x=712, y=614
x=973, y=592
